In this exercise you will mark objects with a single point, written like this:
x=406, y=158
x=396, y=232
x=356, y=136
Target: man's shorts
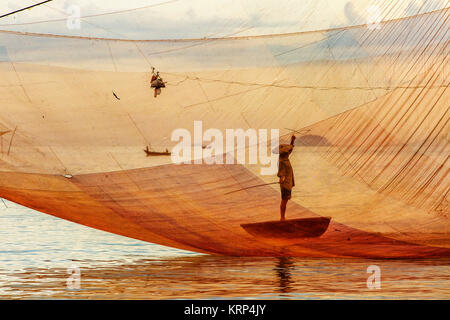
x=285, y=194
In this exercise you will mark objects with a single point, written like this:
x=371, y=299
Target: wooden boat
x=156, y=153
x=289, y=229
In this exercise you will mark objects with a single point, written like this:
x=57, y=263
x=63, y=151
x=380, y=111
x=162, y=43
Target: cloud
x=362, y=13
x=191, y=19
x=352, y=15
x=194, y=18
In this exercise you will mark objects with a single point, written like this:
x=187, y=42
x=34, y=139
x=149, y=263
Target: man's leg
x=283, y=208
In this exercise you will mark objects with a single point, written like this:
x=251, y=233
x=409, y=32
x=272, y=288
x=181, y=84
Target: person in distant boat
x=286, y=175
x=156, y=82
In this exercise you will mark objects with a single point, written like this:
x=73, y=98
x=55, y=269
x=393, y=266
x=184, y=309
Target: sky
x=173, y=19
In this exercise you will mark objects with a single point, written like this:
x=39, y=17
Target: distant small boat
x=156, y=153
x=289, y=229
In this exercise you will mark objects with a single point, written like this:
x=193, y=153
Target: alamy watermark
x=374, y=280
x=226, y=148
x=374, y=17
x=74, y=19
x=74, y=280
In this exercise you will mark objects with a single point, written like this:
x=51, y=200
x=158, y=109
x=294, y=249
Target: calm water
x=38, y=249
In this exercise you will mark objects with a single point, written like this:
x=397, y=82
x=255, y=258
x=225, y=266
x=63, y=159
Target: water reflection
x=283, y=270
x=210, y=277
x=37, y=250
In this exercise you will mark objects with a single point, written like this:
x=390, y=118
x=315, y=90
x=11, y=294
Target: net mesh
x=374, y=97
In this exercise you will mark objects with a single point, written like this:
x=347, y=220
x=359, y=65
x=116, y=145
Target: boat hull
x=292, y=229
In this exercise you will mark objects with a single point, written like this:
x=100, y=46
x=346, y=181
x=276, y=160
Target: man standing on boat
x=286, y=175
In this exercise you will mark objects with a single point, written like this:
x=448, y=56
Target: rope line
x=23, y=9
x=88, y=16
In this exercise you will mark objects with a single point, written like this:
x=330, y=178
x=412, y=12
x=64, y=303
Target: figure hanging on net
x=156, y=82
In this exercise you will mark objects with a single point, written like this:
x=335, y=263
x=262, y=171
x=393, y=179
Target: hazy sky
x=161, y=19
